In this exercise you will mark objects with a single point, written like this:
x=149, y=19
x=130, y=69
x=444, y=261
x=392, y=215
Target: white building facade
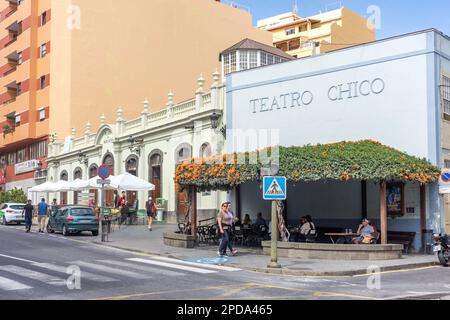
x=149, y=147
x=396, y=91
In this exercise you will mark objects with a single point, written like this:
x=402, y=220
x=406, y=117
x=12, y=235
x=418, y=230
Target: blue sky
x=397, y=16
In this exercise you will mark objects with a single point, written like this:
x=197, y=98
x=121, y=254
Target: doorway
x=155, y=164
x=183, y=152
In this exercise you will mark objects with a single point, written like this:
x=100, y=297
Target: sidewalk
x=140, y=239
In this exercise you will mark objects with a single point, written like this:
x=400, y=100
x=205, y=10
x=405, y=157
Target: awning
x=12, y=85
x=14, y=56
x=11, y=115
x=14, y=27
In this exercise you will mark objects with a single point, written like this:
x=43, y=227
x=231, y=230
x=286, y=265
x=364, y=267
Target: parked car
x=12, y=213
x=73, y=219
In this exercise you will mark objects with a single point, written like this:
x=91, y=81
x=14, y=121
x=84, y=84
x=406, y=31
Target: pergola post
x=383, y=213
x=194, y=222
x=423, y=215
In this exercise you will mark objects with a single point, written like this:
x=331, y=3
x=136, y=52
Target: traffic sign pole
x=104, y=172
x=274, y=245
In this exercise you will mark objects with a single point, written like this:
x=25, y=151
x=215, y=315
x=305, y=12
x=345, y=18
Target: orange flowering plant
x=362, y=160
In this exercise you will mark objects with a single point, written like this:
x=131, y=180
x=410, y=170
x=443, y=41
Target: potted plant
x=161, y=205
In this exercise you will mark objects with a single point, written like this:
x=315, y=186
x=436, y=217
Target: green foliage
x=14, y=196
x=362, y=160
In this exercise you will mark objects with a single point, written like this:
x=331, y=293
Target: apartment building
x=66, y=62
x=302, y=37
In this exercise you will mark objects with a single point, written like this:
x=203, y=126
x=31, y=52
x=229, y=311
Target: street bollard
x=106, y=227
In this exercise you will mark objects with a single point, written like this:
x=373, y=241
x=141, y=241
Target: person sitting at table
x=307, y=227
x=365, y=231
x=247, y=220
x=260, y=220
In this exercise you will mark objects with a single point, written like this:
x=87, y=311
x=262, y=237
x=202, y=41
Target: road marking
x=11, y=285
x=16, y=258
x=143, y=268
x=394, y=271
x=171, y=265
x=197, y=264
x=34, y=275
x=144, y=294
x=84, y=275
x=112, y=270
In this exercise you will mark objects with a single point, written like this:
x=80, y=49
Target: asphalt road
x=43, y=266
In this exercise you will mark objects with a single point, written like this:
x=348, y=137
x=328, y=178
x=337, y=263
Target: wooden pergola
x=362, y=160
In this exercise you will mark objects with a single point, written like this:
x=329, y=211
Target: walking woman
x=224, y=220
x=151, y=210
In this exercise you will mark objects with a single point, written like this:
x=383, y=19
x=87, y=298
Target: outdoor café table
x=346, y=236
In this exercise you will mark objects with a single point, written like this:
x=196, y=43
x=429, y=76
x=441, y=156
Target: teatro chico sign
x=350, y=90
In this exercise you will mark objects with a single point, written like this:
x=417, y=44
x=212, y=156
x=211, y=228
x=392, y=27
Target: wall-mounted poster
x=395, y=199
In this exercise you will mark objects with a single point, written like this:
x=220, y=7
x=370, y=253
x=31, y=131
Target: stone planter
x=179, y=240
x=336, y=251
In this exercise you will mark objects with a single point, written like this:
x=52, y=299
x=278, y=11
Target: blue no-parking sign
x=275, y=188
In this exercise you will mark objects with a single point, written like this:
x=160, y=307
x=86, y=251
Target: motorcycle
x=442, y=248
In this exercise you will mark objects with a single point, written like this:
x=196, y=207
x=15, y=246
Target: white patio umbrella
x=42, y=187
x=60, y=186
x=129, y=182
x=79, y=185
x=92, y=184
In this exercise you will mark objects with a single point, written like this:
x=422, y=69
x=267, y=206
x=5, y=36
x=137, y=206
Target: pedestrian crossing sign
x=275, y=188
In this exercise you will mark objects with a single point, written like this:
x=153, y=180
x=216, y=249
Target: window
x=21, y=155
x=263, y=58
x=42, y=82
x=19, y=58
x=38, y=150
x=290, y=31
x=446, y=97
x=205, y=151
x=233, y=62
x=253, y=59
x=270, y=59
x=243, y=56
x=44, y=18
x=43, y=50
x=18, y=119
x=41, y=114
x=277, y=60
x=11, y=159
x=447, y=164
x=226, y=63
x=19, y=89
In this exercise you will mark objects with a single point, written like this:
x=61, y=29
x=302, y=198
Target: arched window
x=93, y=169
x=93, y=194
x=109, y=161
x=132, y=165
x=155, y=171
x=183, y=152
x=205, y=150
x=63, y=195
x=77, y=174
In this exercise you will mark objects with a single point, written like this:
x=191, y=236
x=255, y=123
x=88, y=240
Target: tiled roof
x=248, y=44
